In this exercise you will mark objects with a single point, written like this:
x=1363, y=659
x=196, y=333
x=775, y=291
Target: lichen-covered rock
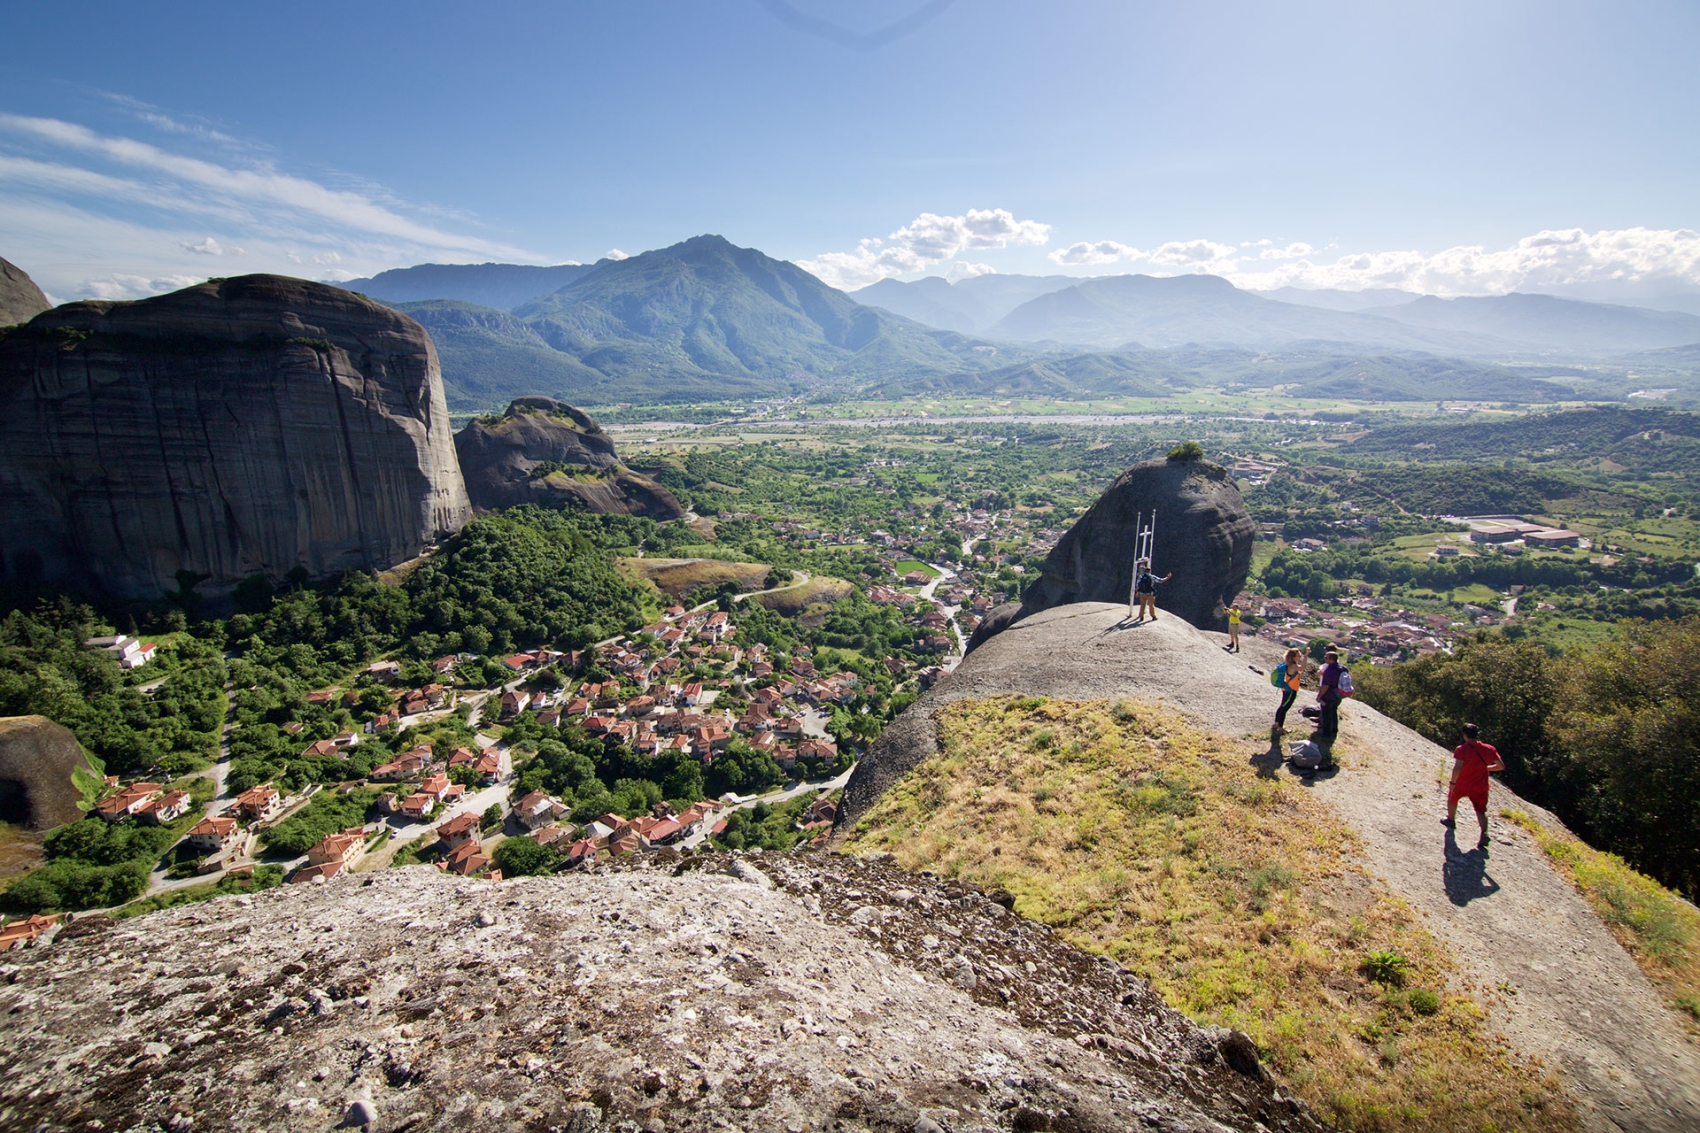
x=20, y=299
x=785, y=992
x=38, y=760
x=244, y=426
x=1204, y=536
x=543, y=451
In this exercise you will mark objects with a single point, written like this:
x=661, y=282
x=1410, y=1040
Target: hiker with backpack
x=1336, y=685
x=1472, y=762
x=1146, y=589
x=1287, y=677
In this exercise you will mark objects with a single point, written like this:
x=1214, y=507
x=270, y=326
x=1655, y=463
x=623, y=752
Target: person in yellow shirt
x=1234, y=628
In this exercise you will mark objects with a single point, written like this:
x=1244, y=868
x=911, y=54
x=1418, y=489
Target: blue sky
x=1355, y=144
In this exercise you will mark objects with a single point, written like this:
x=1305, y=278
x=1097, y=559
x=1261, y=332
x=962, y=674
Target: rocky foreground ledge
x=789, y=992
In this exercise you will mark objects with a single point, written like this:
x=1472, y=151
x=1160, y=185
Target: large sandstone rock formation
x=1204, y=536
x=37, y=761
x=785, y=992
x=244, y=426
x=544, y=451
x=20, y=299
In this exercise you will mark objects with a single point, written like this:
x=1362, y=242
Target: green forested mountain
x=702, y=320
x=706, y=318
x=1648, y=439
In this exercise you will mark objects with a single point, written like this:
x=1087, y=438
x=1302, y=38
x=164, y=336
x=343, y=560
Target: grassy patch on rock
x=1654, y=925
x=1234, y=893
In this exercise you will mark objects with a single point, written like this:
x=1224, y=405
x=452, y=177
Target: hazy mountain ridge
x=504, y=286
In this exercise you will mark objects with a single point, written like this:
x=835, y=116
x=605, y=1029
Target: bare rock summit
x=1204, y=536
x=547, y=452
x=20, y=299
x=252, y=425
x=832, y=994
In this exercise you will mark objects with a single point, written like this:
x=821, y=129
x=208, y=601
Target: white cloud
x=927, y=240
x=171, y=207
x=1290, y=252
x=615, y=254
x=139, y=287
x=210, y=247
x=1203, y=256
x=1547, y=260
x=962, y=269
x=1101, y=252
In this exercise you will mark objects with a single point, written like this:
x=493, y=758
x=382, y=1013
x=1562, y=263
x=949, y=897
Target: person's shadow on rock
x=1465, y=874
x=1269, y=762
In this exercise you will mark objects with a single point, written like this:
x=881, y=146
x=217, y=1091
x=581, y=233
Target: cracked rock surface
x=808, y=991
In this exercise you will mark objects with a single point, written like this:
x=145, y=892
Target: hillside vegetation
x=1231, y=890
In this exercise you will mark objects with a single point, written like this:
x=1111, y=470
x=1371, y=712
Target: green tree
x=521, y=857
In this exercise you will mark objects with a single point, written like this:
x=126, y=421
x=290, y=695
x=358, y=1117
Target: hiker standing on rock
x=1328, y=698
x=1287, y=677
x=1472, y=762
x=1146, y=589
x=1234, y=628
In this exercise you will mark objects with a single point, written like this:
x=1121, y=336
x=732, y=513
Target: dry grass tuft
x=1134, y=835
x=1654, y=925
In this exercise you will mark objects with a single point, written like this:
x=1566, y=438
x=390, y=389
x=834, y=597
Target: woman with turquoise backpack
x=1286, y=677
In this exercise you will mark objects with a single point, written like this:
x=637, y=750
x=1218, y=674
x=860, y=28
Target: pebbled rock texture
x=772, y=992
x=244, y=426
x=506, y=461
x=20, y=299
x=37, y=757
x=1204, y=536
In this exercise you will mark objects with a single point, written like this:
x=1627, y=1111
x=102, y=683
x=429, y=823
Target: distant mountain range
x=706, y=320
x=1122, y=310
x=504, y=286
x=701, y=320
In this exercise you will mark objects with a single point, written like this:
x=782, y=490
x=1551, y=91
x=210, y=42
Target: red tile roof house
x=537, y=809
x=551, y=835
x=166, y=808
x=463, y=757
x=666, y=831
x=515, y=702
x=489, y=769
x=436, y=785
x=127, y=801
x=519, y=662
x=323, y=747
x=813, y=748
x=214, y=835
x=444, y=664
x=323, y=871
x=466, y=859
x=418, y=807
x=20, y=932
x=578, y=706
x=348, y=847
x=458, y=829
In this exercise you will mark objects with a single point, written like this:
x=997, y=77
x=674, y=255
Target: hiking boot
x=1448, y=823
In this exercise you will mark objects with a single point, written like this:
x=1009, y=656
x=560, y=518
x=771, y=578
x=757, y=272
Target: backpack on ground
x=1304, y=755
x=1345, y=685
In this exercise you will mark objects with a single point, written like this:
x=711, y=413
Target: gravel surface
x=767, y=992
x=1561, y=987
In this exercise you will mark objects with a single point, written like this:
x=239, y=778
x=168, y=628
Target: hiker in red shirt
x=1472, y=761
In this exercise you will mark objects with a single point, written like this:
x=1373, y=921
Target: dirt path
x=1564, y=989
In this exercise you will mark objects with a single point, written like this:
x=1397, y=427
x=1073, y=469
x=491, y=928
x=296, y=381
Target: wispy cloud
x=1545, y=261
x=927, y=240
x=194, y=192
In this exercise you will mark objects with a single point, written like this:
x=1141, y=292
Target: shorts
x=1477, y=798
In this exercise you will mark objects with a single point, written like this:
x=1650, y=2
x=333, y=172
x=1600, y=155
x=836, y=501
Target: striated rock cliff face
x=20, y=299
x=1204, y=536
x=38, y=760
x=785, y=992
x=244, y=426
x=544, y=451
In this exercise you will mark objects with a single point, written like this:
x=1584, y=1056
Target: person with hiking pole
x=1472, y=762
x=1146, y=589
